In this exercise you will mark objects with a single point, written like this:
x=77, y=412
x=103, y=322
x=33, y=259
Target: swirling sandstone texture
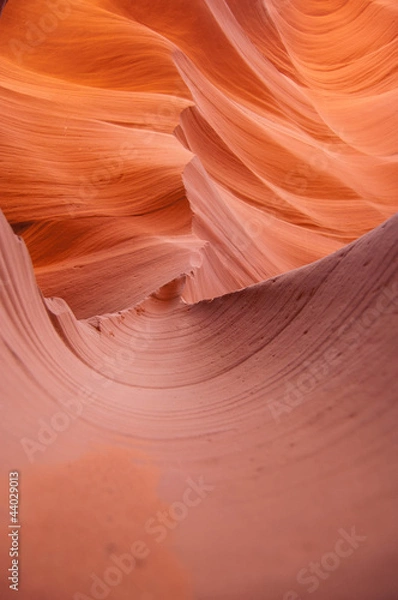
x=198, y=298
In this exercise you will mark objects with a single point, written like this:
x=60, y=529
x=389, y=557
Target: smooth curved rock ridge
x=199, y=297
x=269, y=408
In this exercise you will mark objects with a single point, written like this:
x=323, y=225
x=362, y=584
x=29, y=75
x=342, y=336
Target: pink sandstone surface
x=198, y=298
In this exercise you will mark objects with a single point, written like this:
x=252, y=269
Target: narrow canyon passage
x=198, y=297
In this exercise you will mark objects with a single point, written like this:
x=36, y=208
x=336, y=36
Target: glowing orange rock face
x=177, y=431
x=293, y=131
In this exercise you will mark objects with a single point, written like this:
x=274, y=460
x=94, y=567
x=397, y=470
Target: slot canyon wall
x=198, y=299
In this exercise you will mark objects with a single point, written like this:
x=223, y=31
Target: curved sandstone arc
x=276, y=406
x=199, y=297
